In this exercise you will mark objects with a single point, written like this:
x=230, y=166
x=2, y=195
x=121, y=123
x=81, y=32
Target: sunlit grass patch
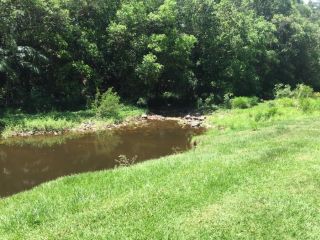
x=266, y=113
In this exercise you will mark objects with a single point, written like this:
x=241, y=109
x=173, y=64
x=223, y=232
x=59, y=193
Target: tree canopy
x=58, y=53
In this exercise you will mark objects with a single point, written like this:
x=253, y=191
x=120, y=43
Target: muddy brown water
x=28, y=162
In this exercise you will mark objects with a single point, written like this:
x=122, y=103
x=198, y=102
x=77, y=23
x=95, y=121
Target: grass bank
x=254, y=175
x=18, y=123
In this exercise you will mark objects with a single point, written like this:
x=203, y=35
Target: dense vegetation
x=25, y=124
x=56, y=54
x=254, y=175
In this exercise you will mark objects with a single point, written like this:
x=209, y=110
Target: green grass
x=256, y=178
x=59, y=121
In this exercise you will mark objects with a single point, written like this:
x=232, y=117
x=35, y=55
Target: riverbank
x=253, y=175
x=58, y=123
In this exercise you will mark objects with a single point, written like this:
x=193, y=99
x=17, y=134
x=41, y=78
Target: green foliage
x=236, y=184
x=227, y=99
x=149, y=72
x=17, y=122
x=45, y=124
x=282, y=91
x=287, y=102
x=244, y=102
x=305, y=104
x=107, y=104
x=165, y=52
x=303, y=91
x=267, y=114
x=207, y=104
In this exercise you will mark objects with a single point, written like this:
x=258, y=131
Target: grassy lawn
x=254, y=175
x=59, y=121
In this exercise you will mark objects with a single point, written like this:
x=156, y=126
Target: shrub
x=244, y=102
x=207, y=104
x=227, y=100
x=107, y=105
x=303, y=91
x=282, y=91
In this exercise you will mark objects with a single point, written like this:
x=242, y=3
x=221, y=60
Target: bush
x=227, y=98
x=244, y=102
x=282, y=91
x=107, y=105
x=207, y=104
x=303, y=91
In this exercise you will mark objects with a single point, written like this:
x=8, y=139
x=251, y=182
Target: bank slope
x=258, y=181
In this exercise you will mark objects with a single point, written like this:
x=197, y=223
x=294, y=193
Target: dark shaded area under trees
x=56, y=54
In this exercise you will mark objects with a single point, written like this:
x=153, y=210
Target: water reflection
x=27, y=162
